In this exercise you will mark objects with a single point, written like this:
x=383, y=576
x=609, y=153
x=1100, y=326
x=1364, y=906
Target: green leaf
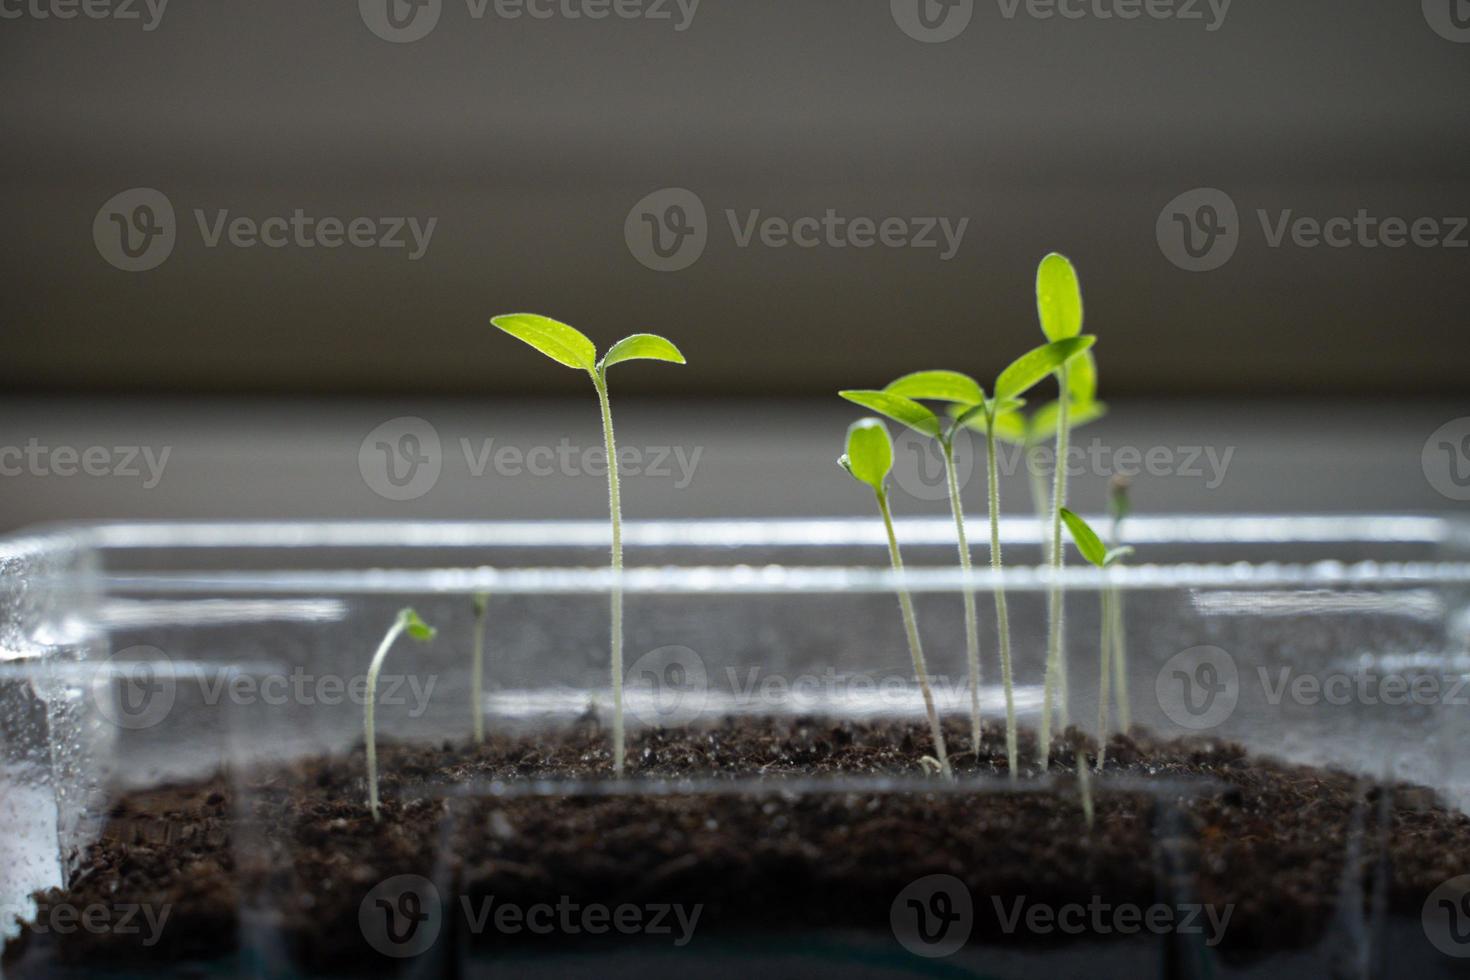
x=1117, y=554
x=1085, y=538
x=416, y=627
x=1058, y=298
x=563, y=344
x=1037, y=363
x=904, y=411
x=1010, y=426
x=641, y=346
x=869, y=452
x=942, y=386
x=1082, y=378
x=1044, y=419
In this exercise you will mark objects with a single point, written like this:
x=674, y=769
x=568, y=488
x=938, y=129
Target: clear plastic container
x=138, y=656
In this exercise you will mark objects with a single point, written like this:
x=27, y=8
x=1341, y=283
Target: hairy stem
x=1056, y=684
x=1002, y=614
x=615, y=515
x=368, y=723
x=1120, y=662
x=477, y=671
x=972, y=626
x=1105, y=637
x=916, y=650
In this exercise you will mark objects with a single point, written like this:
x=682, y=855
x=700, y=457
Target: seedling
x=569, y=346
x=897, y=401
x=1099, y=554
x=477, y=669
x=1119, y=507
x=407, y=621
x=1059, y=308
x=868, y=460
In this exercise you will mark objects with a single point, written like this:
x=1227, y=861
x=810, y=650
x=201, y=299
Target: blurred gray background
x=542, y=147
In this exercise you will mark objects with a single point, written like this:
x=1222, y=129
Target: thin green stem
x=916, y=650
x=1040, y=498
x=972, y=626
x=368, y=721
x=1120, y=662
x=1105, y=636
x=615, y=515
x=477, y=671
x=1002, y=614
x=1056, y=684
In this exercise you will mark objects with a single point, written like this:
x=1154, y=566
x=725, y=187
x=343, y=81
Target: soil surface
x=1277, y=846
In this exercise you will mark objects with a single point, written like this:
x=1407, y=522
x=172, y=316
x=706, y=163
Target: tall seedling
x=569, y=346
x=868, y=460
x=1100, y=555
x=1059, y=308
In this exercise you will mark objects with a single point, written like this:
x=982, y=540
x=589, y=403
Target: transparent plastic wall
x=239, y=651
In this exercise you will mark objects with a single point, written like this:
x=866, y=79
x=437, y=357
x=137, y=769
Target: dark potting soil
x=1198, y=822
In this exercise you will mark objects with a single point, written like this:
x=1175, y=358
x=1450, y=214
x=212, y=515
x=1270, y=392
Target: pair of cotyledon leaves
x=568, y=345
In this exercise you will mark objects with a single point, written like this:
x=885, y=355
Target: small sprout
x=897, y=401
x=477, y=669
x=868, y=459
x=408, y=622
x=569, y=346
x=1092, y=548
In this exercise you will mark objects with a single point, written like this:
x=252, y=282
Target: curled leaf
x=642, y=346
x=414, y=626
x=869, y=452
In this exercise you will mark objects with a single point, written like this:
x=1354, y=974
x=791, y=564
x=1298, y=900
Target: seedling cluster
x=936, y=404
